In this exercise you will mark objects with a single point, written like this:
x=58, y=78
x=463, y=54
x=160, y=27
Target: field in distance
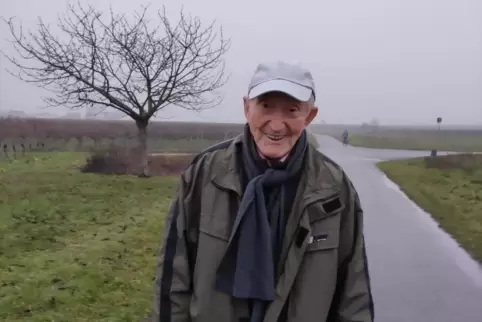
x=18, y=135
x=448, y=138
x=85, y=135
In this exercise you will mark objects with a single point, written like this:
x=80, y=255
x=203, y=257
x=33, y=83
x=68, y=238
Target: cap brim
x=299, y=92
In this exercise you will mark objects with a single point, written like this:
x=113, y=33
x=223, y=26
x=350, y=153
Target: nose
x=277, y=125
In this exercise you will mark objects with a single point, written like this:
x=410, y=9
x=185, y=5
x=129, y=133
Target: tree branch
x=127, y=63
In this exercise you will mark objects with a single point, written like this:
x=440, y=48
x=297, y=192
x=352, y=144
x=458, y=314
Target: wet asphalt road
x=418, y=272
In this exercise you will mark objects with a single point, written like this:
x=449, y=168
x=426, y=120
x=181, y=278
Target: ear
x=311, y=116
x=246, y=106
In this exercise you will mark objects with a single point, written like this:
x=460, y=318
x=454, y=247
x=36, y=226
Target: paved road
x=418, y=272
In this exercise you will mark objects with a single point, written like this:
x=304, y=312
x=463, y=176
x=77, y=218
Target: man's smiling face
x=276, y=121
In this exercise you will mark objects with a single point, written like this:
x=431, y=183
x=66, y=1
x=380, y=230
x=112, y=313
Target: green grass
x=452, y=196
x=443, y=142
x=77, y=247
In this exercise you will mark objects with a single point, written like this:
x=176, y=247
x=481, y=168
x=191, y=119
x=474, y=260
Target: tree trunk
x=143, y=148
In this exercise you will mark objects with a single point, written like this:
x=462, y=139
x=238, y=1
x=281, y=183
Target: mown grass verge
x=450, y=189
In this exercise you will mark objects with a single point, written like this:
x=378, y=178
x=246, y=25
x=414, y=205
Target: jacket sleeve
x=173, y=274
x=353, y=299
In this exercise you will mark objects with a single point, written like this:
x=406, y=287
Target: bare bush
x=116, y=161
x=109, y=161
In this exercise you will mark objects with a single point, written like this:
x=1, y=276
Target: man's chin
x=273, y=154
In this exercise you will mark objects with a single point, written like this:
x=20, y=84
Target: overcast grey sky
x=402, y=61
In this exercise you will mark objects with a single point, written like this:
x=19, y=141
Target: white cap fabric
x=291, y=79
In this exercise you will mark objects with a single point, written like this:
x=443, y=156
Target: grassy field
x=448, y=138
x=77, y=247
x=59, y=135
x=86, y=144
x=450, y=189
x=429, y=141
x=20, y=136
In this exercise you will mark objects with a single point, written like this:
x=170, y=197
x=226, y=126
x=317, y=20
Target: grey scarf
x=247, y=269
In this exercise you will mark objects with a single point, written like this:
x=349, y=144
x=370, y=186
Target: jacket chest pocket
x=217, y=216
x=324, y=217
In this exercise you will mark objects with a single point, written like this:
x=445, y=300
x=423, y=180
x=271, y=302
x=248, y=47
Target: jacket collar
x=317, y=180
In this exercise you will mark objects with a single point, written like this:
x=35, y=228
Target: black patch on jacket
x=301, y=236
x=332, y=205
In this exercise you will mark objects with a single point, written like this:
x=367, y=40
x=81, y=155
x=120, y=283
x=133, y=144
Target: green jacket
x=324, y=276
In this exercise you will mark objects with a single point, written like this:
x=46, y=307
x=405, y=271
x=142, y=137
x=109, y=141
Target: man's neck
x=270, y=160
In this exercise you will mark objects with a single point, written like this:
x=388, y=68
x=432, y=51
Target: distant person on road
x=264, y=227
x=345, y=137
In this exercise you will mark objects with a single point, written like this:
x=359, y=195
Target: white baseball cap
x=291, y=79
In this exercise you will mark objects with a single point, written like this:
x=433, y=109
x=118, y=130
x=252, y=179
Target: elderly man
x=264, y=227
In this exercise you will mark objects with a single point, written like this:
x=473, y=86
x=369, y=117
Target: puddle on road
x=463, y=260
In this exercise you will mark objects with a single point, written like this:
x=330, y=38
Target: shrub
x=118, y=161
x=109, y=161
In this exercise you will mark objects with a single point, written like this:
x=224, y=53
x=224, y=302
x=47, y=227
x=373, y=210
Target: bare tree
x=135, y=65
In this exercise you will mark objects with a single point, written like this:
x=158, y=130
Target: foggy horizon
x=401, y=62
